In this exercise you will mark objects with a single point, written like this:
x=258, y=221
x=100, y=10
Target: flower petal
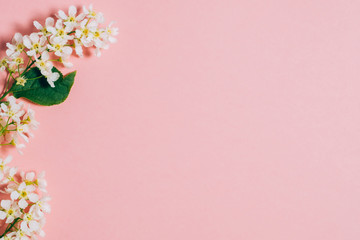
x=33, y=197
x=14, y=195
x=67, y=50
x=18, y=37
x=23, y=203
x=6, y=204
x=49, y=22
x=72, y=11
x=30, y=176
x=62, y=14
x=38, y=25
x=34, y=37
x=45, y=56
x=2, y=215
x=10, y=219
x=7, y=160
x=34, y=226
x=27, y=42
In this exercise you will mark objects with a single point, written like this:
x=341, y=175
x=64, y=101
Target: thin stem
x=7, y=82
x=6, y=125
x=10, y=226
x=27, y=68
x=6, y=90
x=87, y=22
x=34, y=78
x=28, y=62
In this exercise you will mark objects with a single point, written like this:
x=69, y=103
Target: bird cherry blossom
x=29, y=59
x=27, y=204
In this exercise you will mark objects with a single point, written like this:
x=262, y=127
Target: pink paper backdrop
x=208, y=120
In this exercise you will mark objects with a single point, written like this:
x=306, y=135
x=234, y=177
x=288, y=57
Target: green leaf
x=37, y=89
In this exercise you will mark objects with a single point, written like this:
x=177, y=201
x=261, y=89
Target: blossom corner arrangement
x=33, y=65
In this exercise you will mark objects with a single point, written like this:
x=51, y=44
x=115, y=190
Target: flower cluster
x=16, y=123
x=55, y=41
x=23, y=211
x=31, y=74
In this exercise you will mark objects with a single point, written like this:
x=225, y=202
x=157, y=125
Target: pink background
x=208, y=120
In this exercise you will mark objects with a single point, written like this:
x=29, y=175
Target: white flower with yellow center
x=24, y=192
x=40, y=207
x=4, y=163
x=29, y=119
x=10, y=211
x=9, y=175
x=29, y=223
x=16, y=47
x=60, y=30
x=29, y=219
x=85, y=32
x=49, y=22
x=98, y=41
x=20, y=234
x=109, y=33
x=17, y=61
x=58, y=46
x=15, y=142
x=92, y=14
x=35, y=44
x=16, y=64
x=43, y=63
x=12, y=110
x=72, y=20
x=22, y=130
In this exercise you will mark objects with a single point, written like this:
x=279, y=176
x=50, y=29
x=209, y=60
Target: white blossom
x=12, y=109
x=35, y=44
x=52, y=77
x=58, y=45
x=41, y=207
x=16, y=47
x=22, y=130
x=49, y=22
x=45, y=66
x=110, y=32
x=24, y=192
x=29, y=119
x=25, y=210
x=10, y=211
x=30, y=223
x=92, y=14
x=71, y=20
x=60, y=30
x=86, y=31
